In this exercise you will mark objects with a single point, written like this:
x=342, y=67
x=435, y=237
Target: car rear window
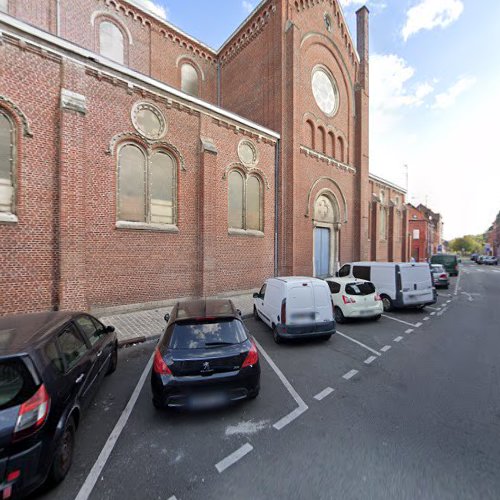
x=360, y=288
x=443, y=259
x=16, y=383
x=197, y=335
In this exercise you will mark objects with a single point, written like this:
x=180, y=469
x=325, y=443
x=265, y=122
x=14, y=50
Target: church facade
x=139, y=165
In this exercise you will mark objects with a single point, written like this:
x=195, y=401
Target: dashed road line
x=433, y=313
x=302, y=405
x=427, y=318
x=359, y=343
x=401, y=321
x=409, y=331
x=386, y=348
x=457, y=283
x=398, y=339
x=434, y=308
x=323, y=394
x=350, y=374
x=370, y=360
x=234, y=457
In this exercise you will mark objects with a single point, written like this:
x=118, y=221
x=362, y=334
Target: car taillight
x=443, y=276
x=348, y=300
x=32, y=414
x=378, y=297
x=159, y=365
x=252, y=356
x=283, y=312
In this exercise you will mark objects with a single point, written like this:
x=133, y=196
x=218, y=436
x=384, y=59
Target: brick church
x=139, y=165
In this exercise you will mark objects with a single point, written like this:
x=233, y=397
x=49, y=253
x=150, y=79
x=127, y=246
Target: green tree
x=469, y=244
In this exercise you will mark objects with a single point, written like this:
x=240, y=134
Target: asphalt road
x=414, y=413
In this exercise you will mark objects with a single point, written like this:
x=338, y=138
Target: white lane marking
x=409, y=331
x=448, y=301
x=302, y=405
x=386, y=348
x=350, y=374
x=469, y=296
x=234, y=457
x=427, y=318
x=434, y=308
x=96, y=470
x=399, y=320
x=433, y=313
x=370, y=360
x=457, y=283
x=418, y=325
x=173, y=497
x=398, y=339
x=323, y=394
x=359, y=343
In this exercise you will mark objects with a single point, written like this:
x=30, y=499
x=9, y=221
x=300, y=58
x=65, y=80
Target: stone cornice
x=327, y=159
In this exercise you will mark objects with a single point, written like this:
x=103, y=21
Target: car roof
x=347, y=280
x=204, y=308
x=388, y=264
x=21, y=332
x=297, y=279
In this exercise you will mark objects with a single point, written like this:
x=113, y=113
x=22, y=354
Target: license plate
x=202, y=401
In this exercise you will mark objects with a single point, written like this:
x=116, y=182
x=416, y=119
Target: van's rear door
x=300, y=307
x=416, y=284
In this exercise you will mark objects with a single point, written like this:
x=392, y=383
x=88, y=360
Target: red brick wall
x=419, y=247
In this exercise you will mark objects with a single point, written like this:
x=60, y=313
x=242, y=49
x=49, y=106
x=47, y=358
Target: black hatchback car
x=50, y=367
x=205, y=358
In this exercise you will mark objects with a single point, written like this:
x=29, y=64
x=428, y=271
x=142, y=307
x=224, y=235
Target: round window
x=247, y=153
x=325, y=91
x=148, y=120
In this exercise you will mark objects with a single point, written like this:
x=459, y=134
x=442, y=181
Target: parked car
x=474, y=256
x=51, y=365
x=354, y=298
x=480, y=259
x=440, y=277
x=490, y=261
x=295, y=308
x=405, y=284
x=448, y=261
x=205, y=358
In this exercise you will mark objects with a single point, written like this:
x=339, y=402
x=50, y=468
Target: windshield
x=195, y=335
x=360, y=288
x=16, y=383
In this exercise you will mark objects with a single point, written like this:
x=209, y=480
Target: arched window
x=245, y=202
x=7, y=163
x=111, y=43
x=189, y=80
x=322, y=140
x=383, y=216
x=340, y=149
x=146, y=186
x=331, y=140
x=310, y=134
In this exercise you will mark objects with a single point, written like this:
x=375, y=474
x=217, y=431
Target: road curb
x=143, y=338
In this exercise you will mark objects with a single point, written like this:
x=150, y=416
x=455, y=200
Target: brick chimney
x=363, y=45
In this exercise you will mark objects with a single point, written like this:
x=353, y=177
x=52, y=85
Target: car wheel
x=63, y=456
x=253, y=394
x=256, y=314
x=113, y=362
x=157, y=405
x=376, y=318
x=276, y=336
x=387, y=302
x=339, y=315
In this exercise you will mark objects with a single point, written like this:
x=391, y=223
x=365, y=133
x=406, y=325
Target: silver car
x=440, y=278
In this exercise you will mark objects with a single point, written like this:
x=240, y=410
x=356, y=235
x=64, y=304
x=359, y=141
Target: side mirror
x=256, y=296
x=167, y=317
x=238, y=311
x=337, y=274
x=110, y=329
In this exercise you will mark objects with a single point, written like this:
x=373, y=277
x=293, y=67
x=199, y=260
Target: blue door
x=322, y=252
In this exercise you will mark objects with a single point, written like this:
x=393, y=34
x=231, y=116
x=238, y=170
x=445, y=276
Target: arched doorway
x=326, y=235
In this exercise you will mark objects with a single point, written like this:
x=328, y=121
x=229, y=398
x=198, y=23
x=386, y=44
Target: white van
x=295, y=307
x=399, y=284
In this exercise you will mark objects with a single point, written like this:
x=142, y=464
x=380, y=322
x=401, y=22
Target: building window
x=146, y=186
x=111, y=43
x=245, y=202
x=325, y=91
x=189, y=80
x=7, y=163
x=383, y=217
x=4, y=5
x=310, y=134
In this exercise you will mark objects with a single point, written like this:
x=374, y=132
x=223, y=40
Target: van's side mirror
x=238, y=311
x=256, y=295
x=110, y=329
x=337, y=274
x=167, y=317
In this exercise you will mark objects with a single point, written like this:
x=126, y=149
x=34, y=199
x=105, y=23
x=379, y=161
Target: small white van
x=295, y=307
x=405, y=284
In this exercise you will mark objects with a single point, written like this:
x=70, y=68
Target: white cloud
x=247, y=6
x=448, y=98
x=429, y=14
x=153, y=7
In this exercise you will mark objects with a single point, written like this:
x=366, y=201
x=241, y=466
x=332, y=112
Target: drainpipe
x=218, y=83
x=276, y=206
x=58, y=17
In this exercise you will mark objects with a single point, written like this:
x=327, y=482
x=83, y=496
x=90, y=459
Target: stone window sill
x=8, y=218
x=142, y=226
x=245, y=232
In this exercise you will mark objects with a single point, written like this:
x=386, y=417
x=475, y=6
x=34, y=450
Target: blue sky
x=434, y=95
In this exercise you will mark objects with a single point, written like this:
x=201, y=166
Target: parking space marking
x=448, y=301
x=359, y=343
x=234, y=457
x=302, y=405
x=173, y=497
x=409, y=331
x=433, y=313
x=427, y=318
x=350, y=374
x=370, y=360
x=434, y=308
x=386, y=348
x=398, y=339
x=323, y=394
x=103, y=457
x=401, y=321
x=418, y=325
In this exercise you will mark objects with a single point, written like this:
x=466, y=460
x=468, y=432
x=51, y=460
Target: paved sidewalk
x=139, y=326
